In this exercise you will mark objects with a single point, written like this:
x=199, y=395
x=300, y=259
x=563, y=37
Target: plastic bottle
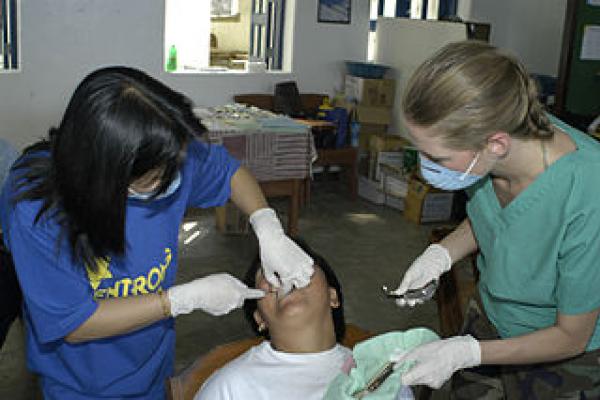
x=339, y=116
x=172, y=60
x=354, y=129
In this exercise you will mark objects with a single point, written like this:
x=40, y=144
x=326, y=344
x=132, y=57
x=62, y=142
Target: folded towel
x=369, y=357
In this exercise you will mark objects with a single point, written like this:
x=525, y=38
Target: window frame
x=10, y=36
x=268, y=20
x=273, y=18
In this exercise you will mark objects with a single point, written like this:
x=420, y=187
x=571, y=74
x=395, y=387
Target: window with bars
x=223, y=35
x=9, y=46
x=266, y=32
x=415, y=9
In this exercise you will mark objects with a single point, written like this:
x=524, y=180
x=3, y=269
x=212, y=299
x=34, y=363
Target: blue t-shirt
x=60, y=296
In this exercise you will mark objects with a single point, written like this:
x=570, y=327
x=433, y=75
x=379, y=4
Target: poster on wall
x=590, y=45
x=224, y=8
x=334, y=11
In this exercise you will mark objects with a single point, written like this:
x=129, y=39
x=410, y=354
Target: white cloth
x=263, y=373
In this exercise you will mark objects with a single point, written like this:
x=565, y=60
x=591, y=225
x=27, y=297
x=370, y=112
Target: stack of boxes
x=388, y=171
x=391, y=163
x=424, y=203
x=373, y=99
x=393, y=180
x=385, y=179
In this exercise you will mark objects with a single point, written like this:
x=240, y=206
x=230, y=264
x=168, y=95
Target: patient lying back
x=301, y=355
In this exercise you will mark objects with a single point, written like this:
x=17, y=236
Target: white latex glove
x=435, y=362
x=284, y=263
x=216, y=294
x=434, y=261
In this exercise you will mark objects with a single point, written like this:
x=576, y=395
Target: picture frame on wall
x=334, y=11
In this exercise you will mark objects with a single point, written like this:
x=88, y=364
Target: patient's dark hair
x=119, y=124
x=337, y=314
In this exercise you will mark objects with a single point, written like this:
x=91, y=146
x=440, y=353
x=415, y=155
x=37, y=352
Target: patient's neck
x=309, y=338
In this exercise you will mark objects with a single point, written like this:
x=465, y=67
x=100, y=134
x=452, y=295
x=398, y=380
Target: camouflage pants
x=575, y=378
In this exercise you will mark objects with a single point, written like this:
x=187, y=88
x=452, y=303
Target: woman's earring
x=262, y=327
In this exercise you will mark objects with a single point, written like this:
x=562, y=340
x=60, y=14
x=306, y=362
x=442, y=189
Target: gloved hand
x=284, y=263
x=434, y=261
x=216, y=294
x=437, y=361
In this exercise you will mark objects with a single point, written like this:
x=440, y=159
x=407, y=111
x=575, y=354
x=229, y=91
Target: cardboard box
x=373, y=115
x=424, y=203
x=393, y=160
x=383, y=142
x=370, y=190
x=370, y=92
x=394, y=202
x=367, y=131
x=394, y=185
x=231, y=220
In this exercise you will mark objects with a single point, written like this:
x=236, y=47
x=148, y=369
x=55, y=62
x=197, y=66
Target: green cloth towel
x=372, y=355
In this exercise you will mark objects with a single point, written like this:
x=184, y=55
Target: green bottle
x=172, y=60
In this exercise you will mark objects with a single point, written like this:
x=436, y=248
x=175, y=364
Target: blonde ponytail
x=469, y=90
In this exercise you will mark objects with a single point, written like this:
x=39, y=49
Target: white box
x=370, y=190
x=392, y=159
x=394, y=202
x=394, y=185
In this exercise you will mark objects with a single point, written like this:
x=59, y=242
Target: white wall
x=320, y=49
x=404, y=44
x=187, y=27
x=530, y=29
x=63, y=41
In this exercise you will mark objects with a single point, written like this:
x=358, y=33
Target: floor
x=367, y=245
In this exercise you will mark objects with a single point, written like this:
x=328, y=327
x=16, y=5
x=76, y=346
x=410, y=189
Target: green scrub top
x=541, y=253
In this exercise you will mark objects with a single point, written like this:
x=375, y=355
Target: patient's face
x=312, y=303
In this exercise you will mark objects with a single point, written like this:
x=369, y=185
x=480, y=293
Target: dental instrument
x=376, y=381
x=422, y=294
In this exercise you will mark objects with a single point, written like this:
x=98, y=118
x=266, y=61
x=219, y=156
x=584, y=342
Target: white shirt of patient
x=263, y=373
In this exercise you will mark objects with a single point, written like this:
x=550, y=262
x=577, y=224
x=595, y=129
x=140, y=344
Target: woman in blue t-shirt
x=91, y=216
x=533, y=216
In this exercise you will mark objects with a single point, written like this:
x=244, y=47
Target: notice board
x=581, y=63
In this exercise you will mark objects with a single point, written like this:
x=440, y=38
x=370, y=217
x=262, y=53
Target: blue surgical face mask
x=172, y=188
x=445, y=178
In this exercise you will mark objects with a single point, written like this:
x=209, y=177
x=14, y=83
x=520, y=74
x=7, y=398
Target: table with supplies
x=276, y=149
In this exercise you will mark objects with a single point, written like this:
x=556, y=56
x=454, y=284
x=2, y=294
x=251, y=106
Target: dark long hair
x=120, y=123
x=339, y=323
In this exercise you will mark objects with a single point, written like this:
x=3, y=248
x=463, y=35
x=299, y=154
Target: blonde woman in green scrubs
x=534, y=216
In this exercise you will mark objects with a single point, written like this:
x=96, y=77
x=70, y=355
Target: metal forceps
x=375, y=381
x=423, y=294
